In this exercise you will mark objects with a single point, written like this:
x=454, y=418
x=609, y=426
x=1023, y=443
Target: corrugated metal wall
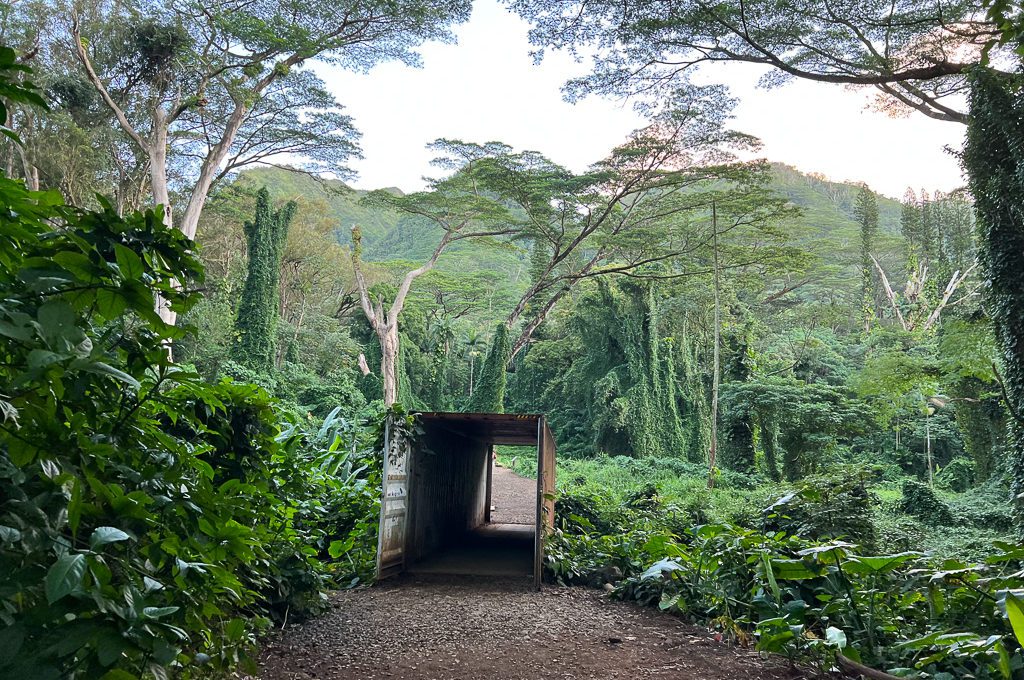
x=449, y=478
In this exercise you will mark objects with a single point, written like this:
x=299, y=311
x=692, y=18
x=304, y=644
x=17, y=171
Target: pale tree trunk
x=388, y=338
x=157, y=152
x=910, y=324
x=210, y=169
x=386, y=325
x=716, y=377
x=31, y=172
x=155, y=149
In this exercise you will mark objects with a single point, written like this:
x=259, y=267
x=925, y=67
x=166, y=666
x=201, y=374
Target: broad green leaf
x=55, y=318
x=104, y=535
x=878, y=564
x=110, y=646
x=64, y=576
x=101, y=368
x=794, y=570
x=118, y=674
x=15, y=331
x=770, y=575
x=1015, y=612
x=668, y=601
x=130, y=263
x=41, y=358
x=837, y=546
x=110, y=303
x=339, y=548
x=157, y=612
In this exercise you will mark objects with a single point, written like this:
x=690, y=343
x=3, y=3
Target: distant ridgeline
x=828, y=218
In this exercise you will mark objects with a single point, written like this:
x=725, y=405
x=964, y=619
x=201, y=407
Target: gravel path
x=473, y=628
x=513, y=498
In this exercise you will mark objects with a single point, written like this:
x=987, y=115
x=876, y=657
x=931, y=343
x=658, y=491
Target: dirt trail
x=471, y=628
x=438, y=627
x=514, y=498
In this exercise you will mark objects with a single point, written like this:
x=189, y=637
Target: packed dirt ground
x=438, y=627
x=474, y=628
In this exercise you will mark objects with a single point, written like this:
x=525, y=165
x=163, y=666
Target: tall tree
x=489, y=396
x=915, y=54
x=644, y=207
x=910, y=226
x=865, y=209
x=213, y=87
x=716, y=361
x=994, y=160
x=256, y=324
x=457, y=207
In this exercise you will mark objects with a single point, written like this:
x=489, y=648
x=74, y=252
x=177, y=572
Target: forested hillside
x=827, y=209
x=786, y=408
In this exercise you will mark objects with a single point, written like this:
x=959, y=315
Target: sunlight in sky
x=487, y=88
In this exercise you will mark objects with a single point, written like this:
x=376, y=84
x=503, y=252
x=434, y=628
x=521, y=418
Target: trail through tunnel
x=448, y=509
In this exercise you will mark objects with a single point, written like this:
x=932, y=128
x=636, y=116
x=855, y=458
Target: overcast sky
x=488, y=88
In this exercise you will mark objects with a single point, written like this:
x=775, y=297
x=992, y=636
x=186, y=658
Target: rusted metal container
x=435, y=508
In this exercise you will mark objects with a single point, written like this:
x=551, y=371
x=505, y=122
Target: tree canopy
x=915, y=54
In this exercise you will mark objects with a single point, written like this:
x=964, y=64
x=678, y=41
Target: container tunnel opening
x=450, y=510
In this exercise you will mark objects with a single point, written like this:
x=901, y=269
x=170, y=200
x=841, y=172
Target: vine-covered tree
x=994, y=160
x=256, y=324
x=865, y=209
x=489, y=395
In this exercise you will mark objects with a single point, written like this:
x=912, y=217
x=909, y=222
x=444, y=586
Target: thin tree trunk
x=713, y=452
x=161, y=195
x=389, y=363
x=209, y=171
x=928, y=447
x=386, y=325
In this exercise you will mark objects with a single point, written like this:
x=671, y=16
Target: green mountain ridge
x=827, y=224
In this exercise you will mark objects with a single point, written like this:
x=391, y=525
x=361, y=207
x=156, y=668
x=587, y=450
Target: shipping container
x=435, y=507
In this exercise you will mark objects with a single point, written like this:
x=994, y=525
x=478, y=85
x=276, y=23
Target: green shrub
x=149, y=522
x=984, y=507
x=919, y=500
x=836, y=505
x=585, y=510
x=249, y=376
x=899, y=612
x=898, y=533
x=957, y=475
x=319, y=395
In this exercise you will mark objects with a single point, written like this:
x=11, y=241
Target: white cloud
x=488, y=88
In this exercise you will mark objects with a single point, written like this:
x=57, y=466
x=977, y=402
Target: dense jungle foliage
x=785, y=407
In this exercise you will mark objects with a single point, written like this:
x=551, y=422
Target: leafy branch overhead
x=915, y=55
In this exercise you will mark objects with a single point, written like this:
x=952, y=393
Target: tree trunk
x=161, y=194
x=716, y=377
x=388, y=338
x=209, y=171
x=928, y=447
